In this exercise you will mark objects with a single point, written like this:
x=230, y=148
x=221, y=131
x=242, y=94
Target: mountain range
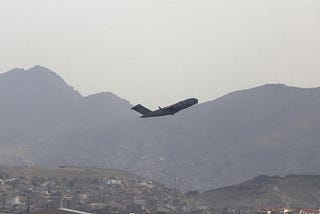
x=271, y=129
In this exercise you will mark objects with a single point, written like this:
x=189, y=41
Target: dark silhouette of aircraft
x=169, y=110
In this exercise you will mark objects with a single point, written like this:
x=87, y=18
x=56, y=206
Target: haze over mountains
x=271, y=129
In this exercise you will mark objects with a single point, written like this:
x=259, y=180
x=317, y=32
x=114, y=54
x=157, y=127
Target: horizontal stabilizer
x=141, y=109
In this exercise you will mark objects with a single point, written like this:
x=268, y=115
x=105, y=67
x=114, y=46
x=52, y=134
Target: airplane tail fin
x=141, y=109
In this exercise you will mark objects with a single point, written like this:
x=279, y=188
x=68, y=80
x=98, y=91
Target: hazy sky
x=159, y=51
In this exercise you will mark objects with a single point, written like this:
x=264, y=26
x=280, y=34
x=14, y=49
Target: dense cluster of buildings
x=91, y=194
x=266, y=210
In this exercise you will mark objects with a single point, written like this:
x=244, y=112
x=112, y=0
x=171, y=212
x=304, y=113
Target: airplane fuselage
x=172, y=109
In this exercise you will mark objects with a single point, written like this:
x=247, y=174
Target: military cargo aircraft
x=169, y=110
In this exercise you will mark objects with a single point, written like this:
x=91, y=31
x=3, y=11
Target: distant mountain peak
x=105, y=94
x=36, y=70
x=37, y=81
x=272, y=88
x=45, y=72
x=268, y=86
x=106, y=97
x=278, y=85
x=281, y=86
x=39, y=67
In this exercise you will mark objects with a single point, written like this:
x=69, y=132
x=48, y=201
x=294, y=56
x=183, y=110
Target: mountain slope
x=38, y=108
x=263, y=191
